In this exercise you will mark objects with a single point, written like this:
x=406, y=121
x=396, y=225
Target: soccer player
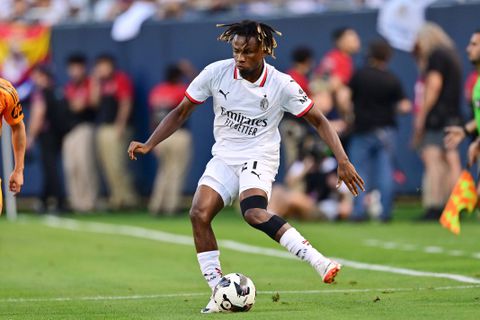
x=249, y=98
x=11, y=110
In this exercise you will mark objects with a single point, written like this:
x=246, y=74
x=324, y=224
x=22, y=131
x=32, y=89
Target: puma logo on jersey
x=257, y=174
x=303, y=99
x=223, y=93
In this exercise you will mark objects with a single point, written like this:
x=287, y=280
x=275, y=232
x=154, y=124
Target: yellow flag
x=464, y=196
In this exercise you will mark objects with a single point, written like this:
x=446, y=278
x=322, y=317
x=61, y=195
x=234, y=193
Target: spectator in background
x=439, y=68
x=293, y=129
x=78, y=145
x=310, y=191
x=173, y=154
x=302, y=58
x=108, y=10
x=337, y=65
x=376, y=95
x=112, y=96
x=46, y=125
x=335, y=71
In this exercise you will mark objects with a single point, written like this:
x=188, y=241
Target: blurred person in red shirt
x=174, y=153
x=337, y=64
x=336, y=69
x=303, y=62
x=293, y=129
x=78, y=144
x=112, y=96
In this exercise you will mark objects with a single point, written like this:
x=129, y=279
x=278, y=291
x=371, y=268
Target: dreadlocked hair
x=248, y=28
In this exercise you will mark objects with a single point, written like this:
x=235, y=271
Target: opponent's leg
x=253, y=203
x=206, y=204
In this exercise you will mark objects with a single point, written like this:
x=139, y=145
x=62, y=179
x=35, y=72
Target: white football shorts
x=229, y=181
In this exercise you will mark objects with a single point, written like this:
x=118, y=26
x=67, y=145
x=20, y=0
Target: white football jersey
x=247, y=114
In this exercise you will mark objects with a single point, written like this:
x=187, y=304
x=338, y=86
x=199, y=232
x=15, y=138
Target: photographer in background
x=310, y=191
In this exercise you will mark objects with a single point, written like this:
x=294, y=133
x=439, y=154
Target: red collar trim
x=264, y=79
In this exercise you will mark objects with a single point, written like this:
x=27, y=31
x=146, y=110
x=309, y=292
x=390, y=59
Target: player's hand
x=453, y=136
x=16, y=181
x=473, y=152
x=346, y=172
x=137, y=147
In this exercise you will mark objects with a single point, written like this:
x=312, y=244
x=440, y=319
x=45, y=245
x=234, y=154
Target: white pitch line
x=150, y=234
x=194, y=294
x=433, y=249
x=410, y=247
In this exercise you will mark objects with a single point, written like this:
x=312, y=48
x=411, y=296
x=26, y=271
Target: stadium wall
x=161, y=43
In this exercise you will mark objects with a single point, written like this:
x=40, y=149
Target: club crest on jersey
x=264, y=103
x=477, y=104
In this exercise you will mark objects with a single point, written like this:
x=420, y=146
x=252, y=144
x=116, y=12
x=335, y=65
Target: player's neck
x=254, y=75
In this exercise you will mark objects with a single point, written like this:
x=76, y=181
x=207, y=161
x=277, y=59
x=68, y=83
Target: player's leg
x=253, y=203
x=216, y=188
x=206, y=204
x=255, y=185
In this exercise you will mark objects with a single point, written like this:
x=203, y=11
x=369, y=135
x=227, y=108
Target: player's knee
x=199, y=215
x=254, y=216
x=270, y=226
x=252, y=207
x=254, y=212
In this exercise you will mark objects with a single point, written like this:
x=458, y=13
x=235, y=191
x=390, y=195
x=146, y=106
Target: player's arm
x=19, y=143
x=346, y=171
x=165, y=129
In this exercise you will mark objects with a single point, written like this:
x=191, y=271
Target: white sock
x=294, y=242
x=210, y=265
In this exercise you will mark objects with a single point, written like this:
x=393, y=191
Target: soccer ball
x=235, y=293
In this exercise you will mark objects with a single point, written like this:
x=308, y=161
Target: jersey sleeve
x=295, y=100
x=12, y=112
x=200, y=88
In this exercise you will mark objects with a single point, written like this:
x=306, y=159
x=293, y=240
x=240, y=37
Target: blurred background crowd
x=71, y=11
x=79, y=129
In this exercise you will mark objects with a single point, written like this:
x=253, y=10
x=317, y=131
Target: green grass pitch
x=53, y=273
